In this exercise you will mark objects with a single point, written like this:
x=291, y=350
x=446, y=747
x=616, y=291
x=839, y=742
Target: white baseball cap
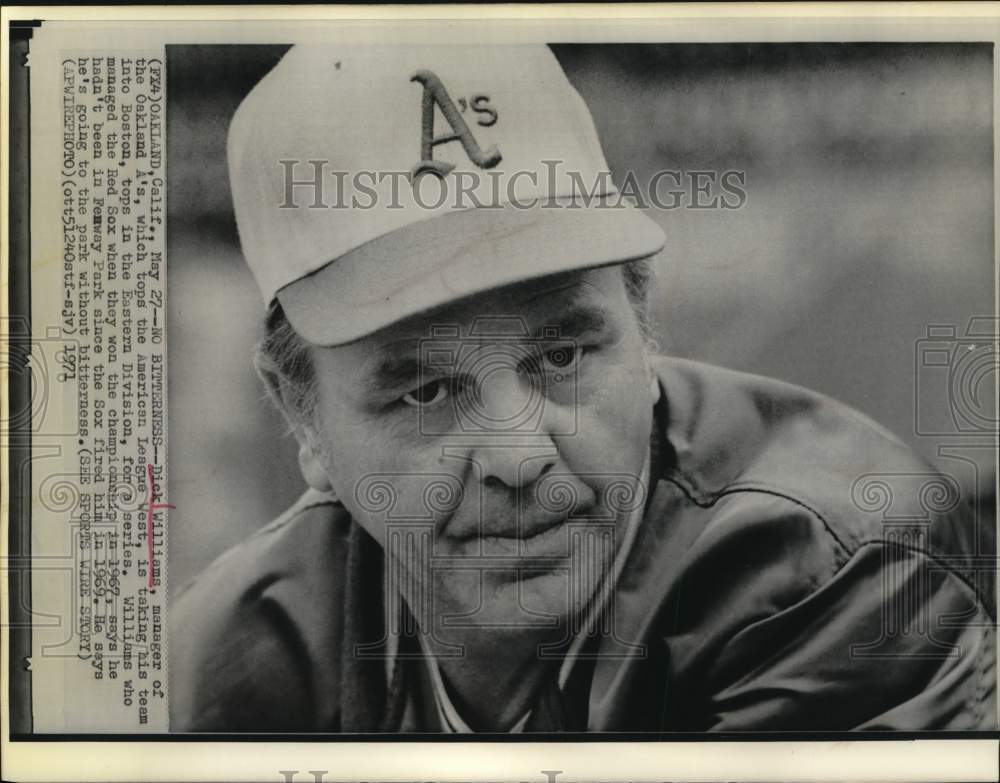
x=373, y=183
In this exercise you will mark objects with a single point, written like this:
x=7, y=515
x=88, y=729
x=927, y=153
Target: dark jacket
x=797, y=568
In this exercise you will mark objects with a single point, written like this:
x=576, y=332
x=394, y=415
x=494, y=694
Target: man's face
x=490, y=446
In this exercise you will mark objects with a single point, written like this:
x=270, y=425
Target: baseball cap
x=373, y=183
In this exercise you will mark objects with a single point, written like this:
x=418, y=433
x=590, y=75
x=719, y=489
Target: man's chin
x=512, y=598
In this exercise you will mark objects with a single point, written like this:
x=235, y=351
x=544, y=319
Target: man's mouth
x=525, y=526
x=525, y=531
x=519, y=529
x=539, y=535
x=547, y=541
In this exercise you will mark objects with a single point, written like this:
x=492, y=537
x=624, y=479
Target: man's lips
x=523, y=529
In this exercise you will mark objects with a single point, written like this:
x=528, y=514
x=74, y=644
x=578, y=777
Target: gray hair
x=283, y=361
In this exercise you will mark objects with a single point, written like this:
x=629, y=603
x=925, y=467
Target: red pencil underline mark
x=150, y=508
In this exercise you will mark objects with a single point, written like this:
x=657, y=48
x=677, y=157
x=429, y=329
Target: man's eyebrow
x=391, y=372
x=577, y=320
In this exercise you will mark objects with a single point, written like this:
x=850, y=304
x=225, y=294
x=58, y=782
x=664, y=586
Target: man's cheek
x=361, y=447
x=386, y=485
x=617, y=411
x=611, y=438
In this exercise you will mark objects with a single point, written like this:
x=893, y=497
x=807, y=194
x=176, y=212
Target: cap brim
x=437, y=261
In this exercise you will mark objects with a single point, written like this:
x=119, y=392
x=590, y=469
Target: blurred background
x=868, y=219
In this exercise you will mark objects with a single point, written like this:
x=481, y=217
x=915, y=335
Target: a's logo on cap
x=436, y=94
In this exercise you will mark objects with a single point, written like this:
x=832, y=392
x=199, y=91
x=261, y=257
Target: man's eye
x=562, y=357
x=429, y=394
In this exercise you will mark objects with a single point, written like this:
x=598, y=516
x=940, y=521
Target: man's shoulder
x=245, y=634
x=738, y=435
x=787, y=534
x=316, y=525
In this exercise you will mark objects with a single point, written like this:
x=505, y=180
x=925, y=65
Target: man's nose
x=516, y=448
x=515, y=465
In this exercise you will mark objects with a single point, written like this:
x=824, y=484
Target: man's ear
x=654, y=381
x=310, y=465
